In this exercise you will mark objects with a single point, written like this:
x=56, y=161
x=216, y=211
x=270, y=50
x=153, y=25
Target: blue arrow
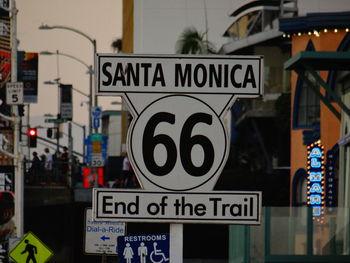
x=104, y=238
x=96, y=123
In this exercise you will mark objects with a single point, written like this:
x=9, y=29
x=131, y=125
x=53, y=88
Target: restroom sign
x=178, y=139
x=153, y=248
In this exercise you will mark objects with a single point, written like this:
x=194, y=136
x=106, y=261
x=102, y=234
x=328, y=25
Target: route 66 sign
x=178, y=140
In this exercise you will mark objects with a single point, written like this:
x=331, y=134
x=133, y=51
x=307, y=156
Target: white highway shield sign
x=178, y=139
x=174, y=207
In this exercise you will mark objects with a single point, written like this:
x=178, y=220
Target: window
x=299, y=188
x=254, y=22
x=335, y=77
x=306, y=103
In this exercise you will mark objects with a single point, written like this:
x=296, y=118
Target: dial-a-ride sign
x=178, y=139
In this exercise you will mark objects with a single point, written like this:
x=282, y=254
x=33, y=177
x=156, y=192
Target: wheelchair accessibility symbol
x=144, y=249
x=157, y=256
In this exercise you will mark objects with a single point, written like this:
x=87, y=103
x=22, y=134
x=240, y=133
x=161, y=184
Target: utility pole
x=19, y=178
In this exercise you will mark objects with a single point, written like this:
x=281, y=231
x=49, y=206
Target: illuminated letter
x=315, y=163
x=316, y=211
x=316, y=188
x=315, y=176
x=315, y=199
x=316, y=152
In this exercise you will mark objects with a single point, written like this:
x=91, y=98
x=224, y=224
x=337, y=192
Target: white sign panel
x=66, y=110
x=174, y=207
x=96, y=160
x=6, y=182
x=101, y=237
x=177, y=140
x=174, y=74
x=14, y=93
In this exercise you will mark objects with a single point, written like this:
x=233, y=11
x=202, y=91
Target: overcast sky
x=101, y=20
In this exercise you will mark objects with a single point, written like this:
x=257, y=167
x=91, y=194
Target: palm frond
x=193, y=42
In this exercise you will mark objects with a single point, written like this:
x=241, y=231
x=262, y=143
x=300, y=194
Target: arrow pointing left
x=104, y=238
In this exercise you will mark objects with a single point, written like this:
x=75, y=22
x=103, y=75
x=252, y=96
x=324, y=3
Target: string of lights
x=315, y=32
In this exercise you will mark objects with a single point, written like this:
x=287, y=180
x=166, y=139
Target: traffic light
x=21, y=110
x=32, y=135
x=49, y=133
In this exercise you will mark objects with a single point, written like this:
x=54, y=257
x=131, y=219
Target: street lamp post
x=89, y=71
x=57, y=82
x=93, y=42
x=18, y=168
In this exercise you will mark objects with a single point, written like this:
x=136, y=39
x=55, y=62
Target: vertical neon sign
x=316, y=179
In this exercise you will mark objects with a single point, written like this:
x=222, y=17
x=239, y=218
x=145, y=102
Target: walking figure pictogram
x=31, y=250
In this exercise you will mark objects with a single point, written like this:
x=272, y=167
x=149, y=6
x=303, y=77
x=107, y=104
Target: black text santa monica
x=179, y=74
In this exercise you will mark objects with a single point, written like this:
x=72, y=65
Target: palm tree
x=117, y=45
x=193, y=42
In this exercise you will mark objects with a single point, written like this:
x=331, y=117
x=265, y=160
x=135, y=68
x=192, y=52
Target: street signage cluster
x=177, y=142
x=178, y=139
x=96, y=145
x=173, y=207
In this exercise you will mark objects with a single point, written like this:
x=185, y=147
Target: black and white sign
x=6, y=182
x=14, y=93
x=181, y=149
x=97, y=160
x=178, y=140
x=179, y=74
x=101, y=237
x=145, y=206
x=66, y=105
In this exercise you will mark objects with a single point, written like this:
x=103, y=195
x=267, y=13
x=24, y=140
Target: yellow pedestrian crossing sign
x=30, y=249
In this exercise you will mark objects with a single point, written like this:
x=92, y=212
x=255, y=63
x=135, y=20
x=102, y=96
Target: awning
x=312, y=61
x=320, y=60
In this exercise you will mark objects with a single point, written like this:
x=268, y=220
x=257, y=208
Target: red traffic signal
x=32, y=132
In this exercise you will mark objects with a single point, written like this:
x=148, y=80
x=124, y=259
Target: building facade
x=314, y=226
